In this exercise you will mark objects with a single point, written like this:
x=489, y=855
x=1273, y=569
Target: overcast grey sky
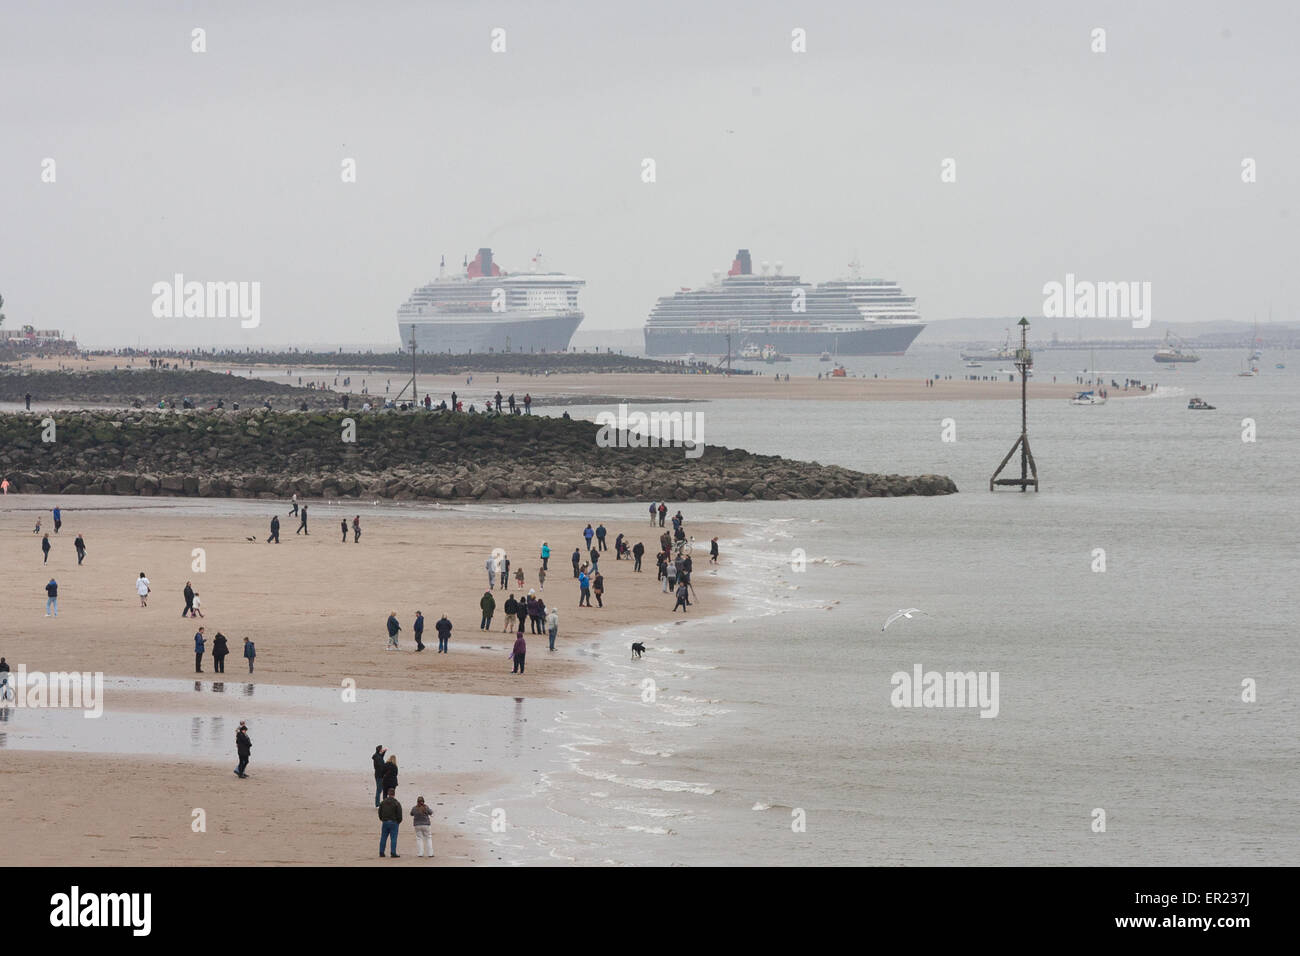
x=225, y=165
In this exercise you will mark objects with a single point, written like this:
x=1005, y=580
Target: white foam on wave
x=642, y=783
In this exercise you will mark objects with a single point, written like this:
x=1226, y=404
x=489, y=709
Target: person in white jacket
x=142, y=589
x=552, y=625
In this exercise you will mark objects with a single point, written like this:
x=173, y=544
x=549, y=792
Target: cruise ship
x=852, y=316
x=484, y=309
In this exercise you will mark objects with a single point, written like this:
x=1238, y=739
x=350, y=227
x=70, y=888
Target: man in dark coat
x=638, y=550
x=443, y=627
x=418, y=630
x=378, y=760
x=189, y=599
x=275, y=530
x=488, y=605
x=244, y=747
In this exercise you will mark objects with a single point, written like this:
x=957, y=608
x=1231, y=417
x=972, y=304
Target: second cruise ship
x=850, y=316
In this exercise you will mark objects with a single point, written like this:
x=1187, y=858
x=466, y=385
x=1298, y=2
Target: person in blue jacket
x=584, y=596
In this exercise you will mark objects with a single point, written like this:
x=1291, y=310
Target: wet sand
x=82, y=810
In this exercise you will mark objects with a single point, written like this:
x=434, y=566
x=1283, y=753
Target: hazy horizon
x=225, y=165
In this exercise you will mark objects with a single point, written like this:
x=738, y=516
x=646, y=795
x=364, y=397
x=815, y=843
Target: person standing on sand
x=250, y=653
x=294, y=512
x=584, y=593
x=509, y=607
x=552, y=626
x=142, y=589
x=356, y=530
x=275, y=530
x=577, y=556
x=37, y=529
x=598, y=588
x=663, y=513
x=541, y=579
x=80, y=545
x=4, y=486
x=189, y=599
x=344, y=525
x=390, y=817
x=390, y=775
x=421, y=815
x=58, y=519
x=652, y=514
x=196, y=611
x=587, y=535
x=488, y=605
x=418, y=630
x=681, y=598
x=491, y=570
x=638, y=550
x=443, y=627
x=503, y=565
x=618, y=547
x=518, y=651
x=713, y=551
x=393, y=628
x=243, y=747
x=519, y=578
x=303, y=527
x=219, y=652
x=521, y=611
x=45, y=547
x=377, y=758
x=198, y=651
x=52, y=598
x=600, y=537
x=546, y=554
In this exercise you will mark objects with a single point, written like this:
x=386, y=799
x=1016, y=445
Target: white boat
x=825, y=357
x=974, y=365
x=1088, y=398
x=1172, y=353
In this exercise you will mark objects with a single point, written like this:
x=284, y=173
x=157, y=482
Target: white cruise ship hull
x=511, y=331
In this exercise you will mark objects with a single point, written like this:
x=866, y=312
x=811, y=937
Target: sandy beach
x=608, y=387
x=315, y=608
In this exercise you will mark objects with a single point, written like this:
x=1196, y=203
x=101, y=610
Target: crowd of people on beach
x=525, y=612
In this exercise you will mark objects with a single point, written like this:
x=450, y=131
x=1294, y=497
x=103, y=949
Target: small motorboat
x=1198, y=404
x=1279, y=365
x=1088, y=398
x=974, y=365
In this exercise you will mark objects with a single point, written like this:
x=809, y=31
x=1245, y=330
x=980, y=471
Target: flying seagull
x=907, y=613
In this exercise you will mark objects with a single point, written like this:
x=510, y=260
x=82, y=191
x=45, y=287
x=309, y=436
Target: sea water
x=769, y=734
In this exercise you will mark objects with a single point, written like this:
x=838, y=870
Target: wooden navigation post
x=1024, y=360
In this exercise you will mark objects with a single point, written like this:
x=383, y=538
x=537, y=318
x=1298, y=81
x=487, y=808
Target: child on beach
x=194, y=611
x=142, y=589
x=519, y=578
x=37, y=529
x=541, y=579
x=250, y=652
